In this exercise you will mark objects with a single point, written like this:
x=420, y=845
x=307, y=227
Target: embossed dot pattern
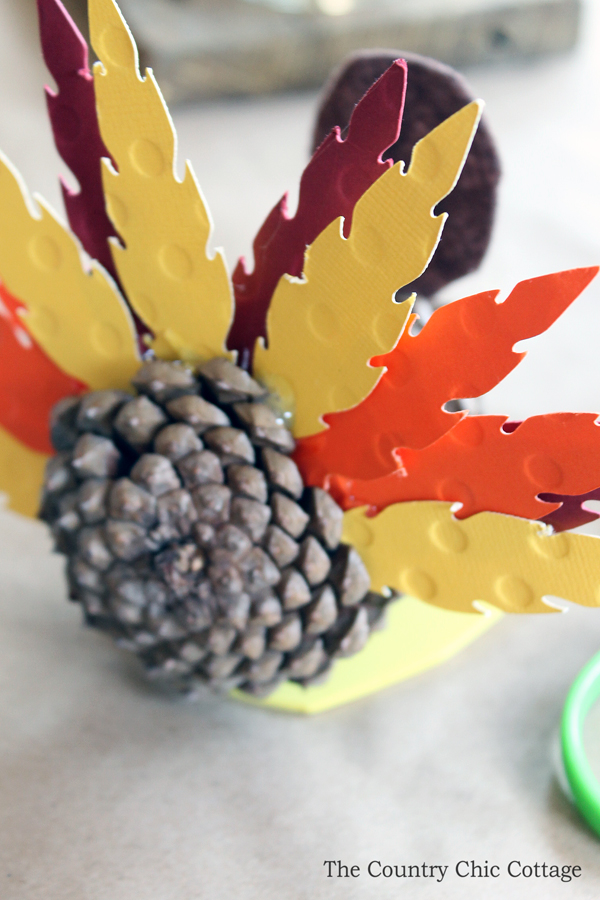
x=147, y=158
x=486, y=468
x=163, y=223
x=342, y=395
x=470, y=433
x=106, y=340
x=448, y=536
x=116, y=46
x=418, y=584
x=446, y=360
x=45, y=321
x=554, y=546
x=392, y=221
x=322, y=321
x=543, y=471
x=175, y=262
x=331, y=185
x=502, y=560
x=44, y=253
x=514, y=592
x=41, y=262
x=360, y=534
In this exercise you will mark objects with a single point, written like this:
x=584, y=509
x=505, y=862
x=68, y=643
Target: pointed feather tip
x=435, y=148
x=104, y=17
x=380, y=109
x=64, y=48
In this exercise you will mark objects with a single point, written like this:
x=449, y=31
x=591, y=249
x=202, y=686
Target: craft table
x=112, y=790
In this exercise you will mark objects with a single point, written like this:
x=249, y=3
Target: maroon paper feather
x=72, y=112
x=572, y=513
x=338, y=174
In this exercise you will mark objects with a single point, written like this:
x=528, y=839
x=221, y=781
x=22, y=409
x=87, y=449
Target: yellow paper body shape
x=76, y=316
x=21, y=474
x=421, y=549
x=322, y=329
x=178, y=291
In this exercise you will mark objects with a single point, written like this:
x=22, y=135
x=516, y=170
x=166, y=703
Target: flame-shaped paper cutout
x=76, y=316
x=30, y=383
x=421, y=549
x=323, y=330
x=338, y=174
x=485, y=468
x=72, y=112
x=464, y=350
x=21, y=474
x=182, y=294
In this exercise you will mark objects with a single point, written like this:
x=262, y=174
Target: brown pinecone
x=191, y=538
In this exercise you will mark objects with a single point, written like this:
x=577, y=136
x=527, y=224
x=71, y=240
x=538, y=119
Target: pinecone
x=191, y=538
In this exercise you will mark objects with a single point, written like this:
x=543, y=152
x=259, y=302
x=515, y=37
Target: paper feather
x=485, y=468
x=21, y=474
x=72, y=112
x=182, y=294
x=30, y=383
x=339, y=172
x=324, y=329
x=572, y=511
x=76, y=315
x=464, y=350
x=419, y=548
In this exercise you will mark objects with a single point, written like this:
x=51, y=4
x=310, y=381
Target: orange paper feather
x=464, y=350
x=30, y=383
x=489, y=469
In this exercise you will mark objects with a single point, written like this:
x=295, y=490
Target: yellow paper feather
x=419, y=548
x=182, y=294
x=21, y=474
x=322, y=329
x=76, y=315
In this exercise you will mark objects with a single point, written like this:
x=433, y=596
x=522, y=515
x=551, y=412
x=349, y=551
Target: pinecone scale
x=190, y=536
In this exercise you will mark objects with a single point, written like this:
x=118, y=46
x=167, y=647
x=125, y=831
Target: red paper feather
x=464, y=350
x=488, y=468
x=72, y=112
x=30, y=383
x=336, y=177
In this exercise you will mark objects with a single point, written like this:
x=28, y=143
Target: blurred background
x=207, y=48
x=243, y=80
x=114, y=792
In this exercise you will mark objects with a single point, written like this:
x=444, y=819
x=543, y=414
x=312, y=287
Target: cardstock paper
x=324, y=329
x=21, y=474
x=77, y=316
x=30, y=383
x=464, y=350
x=338, y=174
x=572, y=512
x=183, y=295
x=485, y=468
x=421, y=549
x=72, y=112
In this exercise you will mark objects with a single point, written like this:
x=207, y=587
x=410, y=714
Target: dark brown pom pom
x=434, y=91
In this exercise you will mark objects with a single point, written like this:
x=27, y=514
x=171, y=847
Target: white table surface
x=111, y=791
